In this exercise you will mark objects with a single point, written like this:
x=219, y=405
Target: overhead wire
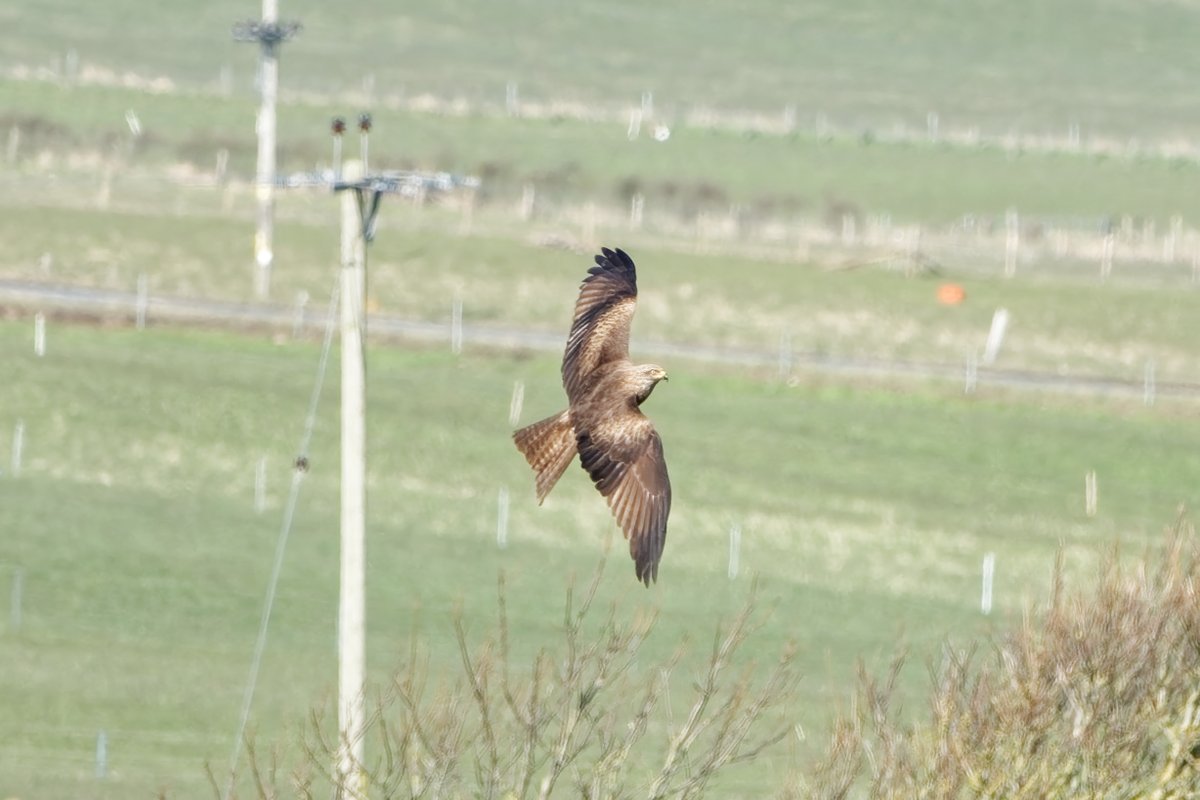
x=300, y=468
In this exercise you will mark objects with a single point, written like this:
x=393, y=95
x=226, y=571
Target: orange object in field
x=951, y=294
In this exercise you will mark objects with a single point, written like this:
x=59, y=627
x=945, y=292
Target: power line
x=300, y=468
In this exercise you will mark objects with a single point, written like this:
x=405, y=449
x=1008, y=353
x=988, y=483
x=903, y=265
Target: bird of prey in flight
x=617, y=444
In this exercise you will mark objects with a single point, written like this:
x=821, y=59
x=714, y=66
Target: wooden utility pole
x=270, y=34
x=264, y=179
x=352, y=607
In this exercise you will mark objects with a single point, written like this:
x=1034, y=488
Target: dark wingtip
x=646, y=573
x=617, y=259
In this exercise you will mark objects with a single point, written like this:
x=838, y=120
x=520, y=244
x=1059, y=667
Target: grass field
x=865, y=512
x=1060, y=323
x=866, y=509
x=1117, y=66
x=571, y=160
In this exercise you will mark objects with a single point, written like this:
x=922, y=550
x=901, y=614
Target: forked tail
x=548, y=446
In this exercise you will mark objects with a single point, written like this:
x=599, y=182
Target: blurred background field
x=827, y=169
x=865, y=510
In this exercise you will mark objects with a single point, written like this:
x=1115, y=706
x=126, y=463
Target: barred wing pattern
x=603, y=314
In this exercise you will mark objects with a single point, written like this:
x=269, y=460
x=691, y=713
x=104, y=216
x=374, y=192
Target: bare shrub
x=577, y=720
x=1095, y=695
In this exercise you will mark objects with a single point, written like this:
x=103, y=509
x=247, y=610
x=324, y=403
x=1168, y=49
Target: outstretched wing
x=603, y=313
x=625, y=460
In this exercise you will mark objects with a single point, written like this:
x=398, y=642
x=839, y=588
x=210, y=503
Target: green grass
x=865, y=511
x=1060, y=323
x=1120, y=66
x=568, y=160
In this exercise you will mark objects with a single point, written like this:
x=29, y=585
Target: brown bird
x=616, y=442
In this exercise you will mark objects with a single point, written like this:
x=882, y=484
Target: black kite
x=617, y=444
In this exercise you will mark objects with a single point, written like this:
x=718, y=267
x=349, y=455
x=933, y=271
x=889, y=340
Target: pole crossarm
x=404, y=183
x=371, y=188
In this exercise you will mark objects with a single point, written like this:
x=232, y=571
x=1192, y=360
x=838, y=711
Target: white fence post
x=1090, y=493
x=143, y=300
x=39, y=334
x=995, y=336
x=260, y=485
x=789, y=118
x=514, y=405
x=1106, y=255
x=456, y=333
x=18, y=447
x=512, y=99
x=971, y=374
x=15, y=598
x=635, y=125
x=528, y=197
x=102, y=755
x=502, y=518
x=989, y=573
x=849, y=230
x=1012, y=242
x=1149, y=389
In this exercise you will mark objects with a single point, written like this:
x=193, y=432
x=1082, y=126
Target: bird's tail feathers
x=548, y=445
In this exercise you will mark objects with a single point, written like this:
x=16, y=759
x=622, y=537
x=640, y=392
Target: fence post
x=528, y=196
x=1012, y=242
x=635, y=125
x=260, y=485
x=456, y=332
x=1106, y=255
x=15, y=598
x=102, y=755
x=18, y=447
x=789, y=118
x=849, y=232
x=1149, y=388
x=39, y=334
x=502, y=518
x=512, y=99
x=995, y=336
x=143, y=300
x=989, y=573
x=1090, y=493
x=518, y=400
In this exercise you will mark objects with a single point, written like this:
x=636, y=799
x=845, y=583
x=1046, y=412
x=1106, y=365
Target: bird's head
x=648, y=376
